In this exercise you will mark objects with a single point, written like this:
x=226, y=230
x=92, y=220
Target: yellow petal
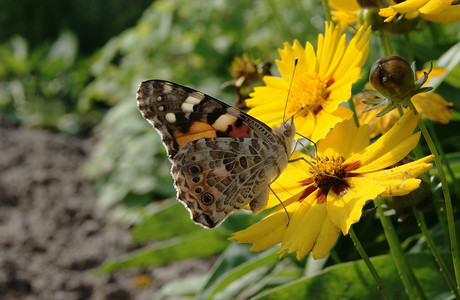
x=344, y=5
x=390, y=155
x=390, y=142
x=433, y=107
x=325, y=121
x=398, y=187
x=338, y=141
x=345, y=209
x=304, y=227
x=403, y=7
x=326, y=239
x=449, y=15
x=435, y=6
x=267, y=232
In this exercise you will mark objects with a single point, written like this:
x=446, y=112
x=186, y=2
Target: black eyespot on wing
x=194, y=169
x=207, y=199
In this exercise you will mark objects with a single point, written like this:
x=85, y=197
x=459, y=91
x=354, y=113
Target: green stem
x=353, y=108
x=447, y=198
x=327, y=10
x=369, y=264
x=442, y=265
x=409, y=47
x=385, y=43
x=413, y=288
x=441, y=152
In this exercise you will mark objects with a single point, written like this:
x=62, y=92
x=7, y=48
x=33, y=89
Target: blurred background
x=87, y=208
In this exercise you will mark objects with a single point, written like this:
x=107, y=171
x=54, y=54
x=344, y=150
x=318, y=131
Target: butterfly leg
x=281, y=202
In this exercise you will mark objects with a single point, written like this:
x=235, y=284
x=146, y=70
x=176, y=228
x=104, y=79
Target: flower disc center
x=331, y=174
x=307, y=92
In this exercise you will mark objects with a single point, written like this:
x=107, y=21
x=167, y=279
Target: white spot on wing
x=167, y=89
x=223, y=121
x=170, y=117
x=187, y=107
x=194, y=99
x=159, y=98
x=161, y=108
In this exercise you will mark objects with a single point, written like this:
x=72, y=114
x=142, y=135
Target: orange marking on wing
x=198, y=130
x=243, y=131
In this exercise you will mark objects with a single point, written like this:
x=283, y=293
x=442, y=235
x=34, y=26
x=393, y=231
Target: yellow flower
x=322, y=81
x=345, y=11
x=430, y=105
x=439, y=11
x=329, y=198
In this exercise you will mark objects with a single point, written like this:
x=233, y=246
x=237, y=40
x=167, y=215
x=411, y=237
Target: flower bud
x=247, y=73
x=393, y=77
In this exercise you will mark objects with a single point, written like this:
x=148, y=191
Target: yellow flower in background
x=438, y=11
x=431, y=106
x=322, y=81
x=327, y=199
x=345, y=12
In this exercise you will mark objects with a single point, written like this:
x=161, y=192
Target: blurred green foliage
x=40, y=88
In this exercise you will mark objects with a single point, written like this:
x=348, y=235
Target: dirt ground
x=52, y=236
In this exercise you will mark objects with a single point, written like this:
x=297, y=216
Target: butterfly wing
x=222, y=158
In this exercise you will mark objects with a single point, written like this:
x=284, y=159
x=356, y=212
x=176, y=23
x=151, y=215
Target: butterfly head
x=286, y=131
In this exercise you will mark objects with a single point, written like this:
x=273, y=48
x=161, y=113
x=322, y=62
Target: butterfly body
x=222, y=159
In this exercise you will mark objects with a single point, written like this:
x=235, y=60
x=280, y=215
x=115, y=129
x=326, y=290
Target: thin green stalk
x=409, y=47
x=442, y=265
x=411, y=284
x=384, y=42
x=353, y=109
x=369, y=264
x=447, y=199
x=327, y=10
x=441, y=151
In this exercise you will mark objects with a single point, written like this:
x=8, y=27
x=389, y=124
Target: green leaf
x=353, y=280
x=171, y=221
x=202, y=243
x=237, y=262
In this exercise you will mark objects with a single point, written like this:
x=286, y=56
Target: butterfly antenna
x=290, y=85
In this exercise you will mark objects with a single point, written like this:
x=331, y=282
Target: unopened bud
x=393, y=77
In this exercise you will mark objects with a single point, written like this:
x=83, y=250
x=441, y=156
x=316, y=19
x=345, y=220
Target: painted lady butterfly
x=222, y=159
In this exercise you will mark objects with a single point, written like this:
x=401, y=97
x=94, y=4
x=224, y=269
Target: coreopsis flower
x=322, y=81
x=438, y=11
x=327, y=199
x=431, y=106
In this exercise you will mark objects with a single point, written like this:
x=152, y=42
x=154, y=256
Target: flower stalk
x=359, y=247
x=411, y=284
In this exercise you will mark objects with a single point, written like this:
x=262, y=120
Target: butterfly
x=222, y=158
